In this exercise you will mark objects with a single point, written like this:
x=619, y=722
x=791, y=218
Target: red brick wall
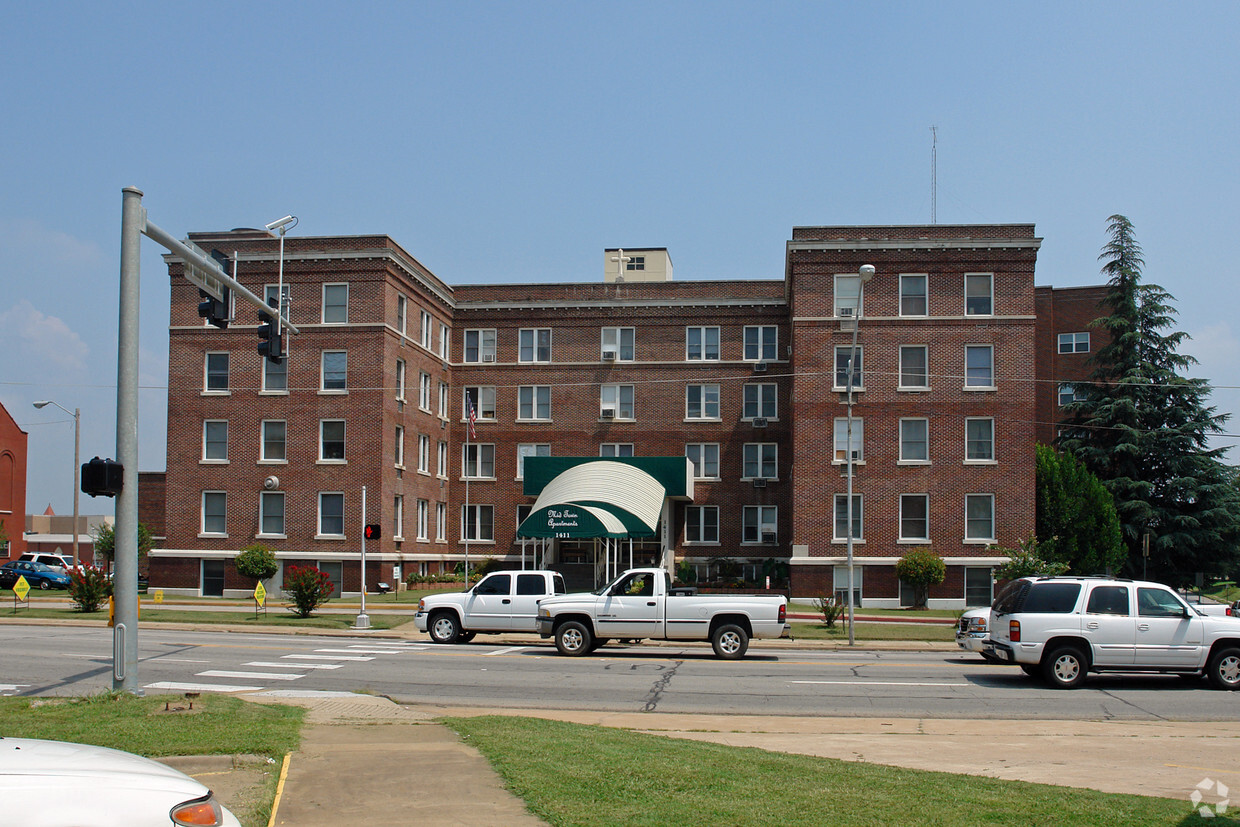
x=1064, y=310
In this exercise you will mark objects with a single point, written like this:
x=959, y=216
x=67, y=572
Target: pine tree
x=1076, y=520
x=1142, y=428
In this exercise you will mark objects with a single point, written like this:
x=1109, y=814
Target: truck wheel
x=1065, y=667
x=730, y=641
x=465, y=637
x=573, y=638
x=444, y=628
x=1224, y=669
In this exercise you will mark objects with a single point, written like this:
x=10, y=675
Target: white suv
x=59, y=562
x=1063, y=627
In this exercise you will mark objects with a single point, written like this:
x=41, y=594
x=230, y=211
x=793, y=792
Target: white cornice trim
x=824, y=245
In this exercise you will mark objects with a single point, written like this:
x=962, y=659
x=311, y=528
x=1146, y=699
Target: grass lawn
x=572, y=774
x=874, y=631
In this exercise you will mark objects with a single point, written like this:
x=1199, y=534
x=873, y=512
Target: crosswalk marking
x=201, y=687
x=268, y=676
x=272, y=665
x=357, y=650
x=325, y=657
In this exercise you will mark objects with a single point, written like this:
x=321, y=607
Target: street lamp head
x=43, y=403
x=866, y=272
x=281, y=223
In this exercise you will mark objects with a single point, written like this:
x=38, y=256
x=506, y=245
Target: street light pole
x=863, y=275
x=77, y=465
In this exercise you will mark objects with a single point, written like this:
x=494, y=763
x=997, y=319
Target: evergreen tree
x=1076, y=520
x=1142, y=428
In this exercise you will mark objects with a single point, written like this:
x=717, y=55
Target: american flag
x=473, y=417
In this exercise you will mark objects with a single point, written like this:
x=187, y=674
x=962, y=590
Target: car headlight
x=544, y=612
x=201, y=812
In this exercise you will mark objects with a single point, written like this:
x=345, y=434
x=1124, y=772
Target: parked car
x=56, y=783
x=38, y=576
x=1064, y=627
x=972, y=630
x=503, y=601
x=60, y=562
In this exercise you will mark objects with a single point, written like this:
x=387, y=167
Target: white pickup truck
x=503, y=601
x=641, y=604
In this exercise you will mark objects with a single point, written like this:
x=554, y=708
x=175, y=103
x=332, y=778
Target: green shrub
x=257, y=562
x=831, y=609
x=921, y=568
x=307, y=588
x=89, y=588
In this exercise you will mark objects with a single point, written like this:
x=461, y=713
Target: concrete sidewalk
x=366, y=759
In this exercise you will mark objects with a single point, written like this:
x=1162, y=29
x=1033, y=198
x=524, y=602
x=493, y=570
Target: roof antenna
x=934, y=175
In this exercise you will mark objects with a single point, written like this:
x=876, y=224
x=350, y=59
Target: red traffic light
x=372, y=532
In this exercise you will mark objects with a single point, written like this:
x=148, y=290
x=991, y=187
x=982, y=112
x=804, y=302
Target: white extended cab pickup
x=641, y=604
x=503, y=601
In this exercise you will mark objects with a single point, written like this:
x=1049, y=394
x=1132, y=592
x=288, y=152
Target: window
x=761, y=343
x=400, y=447
x=1109, y=600
x=271, y=513
x=759, y=401
x=1074, y=343
x=702, y=402
x=979, y=439
x=270, y=292
x=441, y=521
x=979, y=518
x=398, y=517
x=479, y=461
x=618, y=342
x=914, y=367
x=702, y=344
x=331, y=440
x=840, y=583
x=534, y=402
x=215, y=440
x=615, y=449
x=483, y=398
x=530, y=450
x=217, y=373
x=842, y=356
x=424, y=514
x=847, y=292
x=335, y=366
x=913, y=295
x=841, y=518
x=1158, y=603
x=914, y=440
x=618, y=399
x=761, y=460
x=702, y=524
x=275, y=436
x=841, y=439
x=915, y=517
x=402, y=313
x=1067, y=394
x=443, y=400
x=759, y=524
x=400, y=379
x=978, y=586
x=331, y=514
x=335, y=304
x=479, y=345
x=214, y=520
x=441, y=463
x=426, y=330
x=424, y=454
x=705, y=459
x=979, y=294
x=443, y=342
x=478, y=522
x=534, y=345
x=424, y=391
x=979, y=366
x=275, y=377
x=635, y=263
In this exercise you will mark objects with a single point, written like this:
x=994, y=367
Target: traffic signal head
x=270, y=342
x=102, y=477
x=214, y=310
x=372, y=531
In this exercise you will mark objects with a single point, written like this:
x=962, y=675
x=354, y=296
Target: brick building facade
x=743, y=377
x=12, y=486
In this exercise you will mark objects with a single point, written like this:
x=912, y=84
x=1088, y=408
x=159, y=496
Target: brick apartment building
x=743, y=379
x=12, y=486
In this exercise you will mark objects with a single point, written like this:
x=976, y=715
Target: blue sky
x=503, y=142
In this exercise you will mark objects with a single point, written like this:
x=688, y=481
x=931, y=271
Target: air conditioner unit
x=759, y=482
x=759, y=367
x=847, y=312
x=768, y=536
x=609, y=413
x=609, y=356
x=488, y=357
x=759, y=421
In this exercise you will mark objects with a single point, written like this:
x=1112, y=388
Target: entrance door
x=212, y=578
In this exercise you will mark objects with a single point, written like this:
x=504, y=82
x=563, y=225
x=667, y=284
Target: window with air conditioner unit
x=759, y=367
x=841, y=439
x=609, y=356
x=618, y=399
x=768, y=534
x=758, y=524
x=618, y=344
x=760, y=482
x=609, y=413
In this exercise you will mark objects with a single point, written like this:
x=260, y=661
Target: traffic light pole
x=363, y=619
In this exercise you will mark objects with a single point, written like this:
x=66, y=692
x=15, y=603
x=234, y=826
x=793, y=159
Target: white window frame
x=530, y=449
x=979, y=498
x=424, y=391
x=331, y=535
x=475, y=457
x=271, y=496
x=839, y=440
x=704, y=333
x=324, y=305
x=846, y=294
x=424, y=454
x=704, y=391
x=924, y=295
x=858, y=518
x=484, y=345
x=271, y=370
x=534, y=403
x=208, y=460
x=343, y=442
x=759, y=349
x=536, y=347
x=401, y=372
x=968, y=380
x=427, y=330
x=991, y=460
x=1076, y=343
x=443, y=400
x=400, y=447
x=207, y=390
x=323, y=389
x=925, y=386
x=760, y=400
x=615, y=450
x=262, y=443
x=402, y=313
x=764, y=456
x=766, y=517
x=925, y=425
x=612, y=339
x=484, y=402
x=444, y=341
x=441, y=460
x=477, y=523
x=704, y=519
x=441, y=522
x=424, y=509
x=845, y=351
x=398, y=517
x=1065, y=394
x=925, y=498
x=703, y=465
x=613, y=396
x=202, y=524
x=989, y=296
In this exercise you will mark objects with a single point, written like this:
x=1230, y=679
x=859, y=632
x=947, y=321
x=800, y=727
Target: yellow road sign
x=21, y=588
x=159, y=595
x=260, y=594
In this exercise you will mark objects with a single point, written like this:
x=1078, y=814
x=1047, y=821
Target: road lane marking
x=201, y=687
x=267, y=676
x=271, y=665
x=882, y=683
x=325, y=657
x=506, y=651
x=358, y=651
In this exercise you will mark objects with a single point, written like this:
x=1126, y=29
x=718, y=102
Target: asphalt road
x=773, y=680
